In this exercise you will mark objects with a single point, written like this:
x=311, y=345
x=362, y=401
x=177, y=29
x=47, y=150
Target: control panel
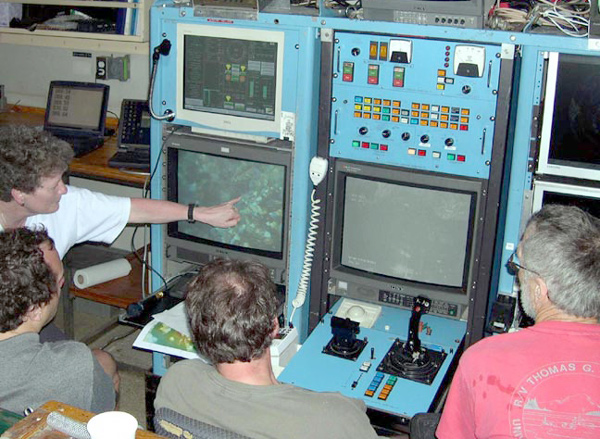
x=413, y=102
x=395, y=364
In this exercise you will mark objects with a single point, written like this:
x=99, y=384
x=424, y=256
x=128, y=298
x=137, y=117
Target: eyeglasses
x=513, y=267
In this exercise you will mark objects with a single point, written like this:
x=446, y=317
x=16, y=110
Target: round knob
x=405, y=136
x=449, y=141
x=363, y=130
x=466, y=89
x=424, y=138
x=386, y=133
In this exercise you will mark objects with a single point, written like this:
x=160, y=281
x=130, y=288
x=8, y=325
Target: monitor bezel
x=186, y=248
x=545, y=164
x=371, y=283
x=541, y=187
x=224, y=122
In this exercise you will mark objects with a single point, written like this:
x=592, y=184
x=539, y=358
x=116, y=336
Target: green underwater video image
x=208, y=180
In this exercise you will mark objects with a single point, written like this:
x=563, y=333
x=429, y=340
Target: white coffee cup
x=112, y=425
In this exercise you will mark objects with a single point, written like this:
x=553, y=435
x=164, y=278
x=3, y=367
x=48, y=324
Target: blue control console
x=366, y=377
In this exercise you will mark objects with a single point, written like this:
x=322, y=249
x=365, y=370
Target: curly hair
x=26, y=156
x=25, y=278
x=562, y=244
x=232, y=307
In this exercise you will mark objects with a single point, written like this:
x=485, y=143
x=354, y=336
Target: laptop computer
x=76, y=113
x=133, y=141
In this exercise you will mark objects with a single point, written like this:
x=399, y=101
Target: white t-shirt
x=82, y=216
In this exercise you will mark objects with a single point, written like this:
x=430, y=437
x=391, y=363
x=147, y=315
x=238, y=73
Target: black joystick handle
x=421, y=306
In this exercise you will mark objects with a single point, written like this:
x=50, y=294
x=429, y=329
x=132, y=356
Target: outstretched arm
x=144, y=210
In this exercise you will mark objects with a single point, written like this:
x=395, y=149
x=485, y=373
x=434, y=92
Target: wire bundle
x=569, y=16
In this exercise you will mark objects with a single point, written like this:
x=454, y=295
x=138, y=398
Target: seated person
x=232, y=314
x=542, y=381
x=32, y=373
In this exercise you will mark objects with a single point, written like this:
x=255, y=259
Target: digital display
x=73, y=107
x=208, y=180
x=575, y=133
x=407, y=232
x=230, y=76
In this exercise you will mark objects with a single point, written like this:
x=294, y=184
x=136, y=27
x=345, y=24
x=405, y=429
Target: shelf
x=133, y=44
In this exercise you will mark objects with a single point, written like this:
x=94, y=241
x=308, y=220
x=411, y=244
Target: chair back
x=423, y=425
x=174, y=425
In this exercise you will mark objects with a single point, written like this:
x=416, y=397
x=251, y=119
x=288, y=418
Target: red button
x=383, y=147
x=461, y=158
x=365, y=145
x=464, y=127
x=422, y=153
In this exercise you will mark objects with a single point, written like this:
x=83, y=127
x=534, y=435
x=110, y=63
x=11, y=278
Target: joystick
x=344, y=343
x=410, y=360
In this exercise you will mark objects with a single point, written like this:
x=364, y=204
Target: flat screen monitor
x=76, y=108
x=398, y=234
x=208, y=172
x=584, y=197
x=230, y=78
x=570, y=137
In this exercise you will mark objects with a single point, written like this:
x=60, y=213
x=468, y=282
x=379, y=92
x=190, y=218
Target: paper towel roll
x=96, y=274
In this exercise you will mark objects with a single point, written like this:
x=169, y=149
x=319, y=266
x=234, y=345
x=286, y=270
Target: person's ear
x=18, y=196
x=540, y=289
x=275, y=327
x=33, y=314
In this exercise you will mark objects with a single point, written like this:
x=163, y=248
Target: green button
x=386, y=110
x=374, y=145
x=355, y=143
x=385, y=118
x=451, y=156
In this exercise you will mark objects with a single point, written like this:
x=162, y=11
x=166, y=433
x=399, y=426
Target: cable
x=308, y=254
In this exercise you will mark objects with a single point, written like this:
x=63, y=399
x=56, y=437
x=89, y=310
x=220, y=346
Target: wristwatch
x=191, y=207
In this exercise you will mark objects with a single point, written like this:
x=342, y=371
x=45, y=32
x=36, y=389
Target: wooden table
x=34, y=426
x=93, y=165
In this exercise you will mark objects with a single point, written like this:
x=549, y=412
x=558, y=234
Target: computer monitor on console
x=209, y=171
x=230, y=79
x=399, y=234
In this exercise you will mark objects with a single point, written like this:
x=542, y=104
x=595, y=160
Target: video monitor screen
x=407, y=232
x=75, y=107
x=208, y=180
x=575, y=132
x=229, y=76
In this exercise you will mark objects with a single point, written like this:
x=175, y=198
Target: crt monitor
x=549, y=192
x=398, y=234
x=207, y=171
x=570, y=137
x=230, y=78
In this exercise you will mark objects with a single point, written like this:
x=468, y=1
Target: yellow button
x=441, y=87
x=367, y=116
x=453, y=126
x=357, y=114
x=397, y=103
x=367, y=108
x=424, y=123
x=395, y=110
x=387, y=102
x=443, y=125
x=368, y=100
x=378, y=109
x=414, y=113
x=444, y=109
x=376, y=116
x=425, y=115
x=357, y=107
x=441, y=72
x=369, y=393
x=433, y=123
x=465, y=111
x=444, y=117
x=464, y=120
x=416, y=106
x=425, y=107
x=377, y=101
x=395, y=119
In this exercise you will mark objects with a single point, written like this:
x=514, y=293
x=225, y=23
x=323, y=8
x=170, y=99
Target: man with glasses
x=542, y=381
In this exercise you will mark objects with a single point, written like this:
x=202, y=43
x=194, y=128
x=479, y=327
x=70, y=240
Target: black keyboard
x=136, y=159
x=82, y=144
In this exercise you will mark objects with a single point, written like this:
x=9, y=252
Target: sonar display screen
x=230, y=76
x=208, y=180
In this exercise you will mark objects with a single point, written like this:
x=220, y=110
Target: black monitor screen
x=230, y=76
x=408, y=232
x=575, y=137
x=207, y=180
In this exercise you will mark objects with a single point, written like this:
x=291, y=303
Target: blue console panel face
x=312, y=369
x=414, y=102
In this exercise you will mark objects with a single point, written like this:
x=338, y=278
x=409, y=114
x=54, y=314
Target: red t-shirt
x=540, y=382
